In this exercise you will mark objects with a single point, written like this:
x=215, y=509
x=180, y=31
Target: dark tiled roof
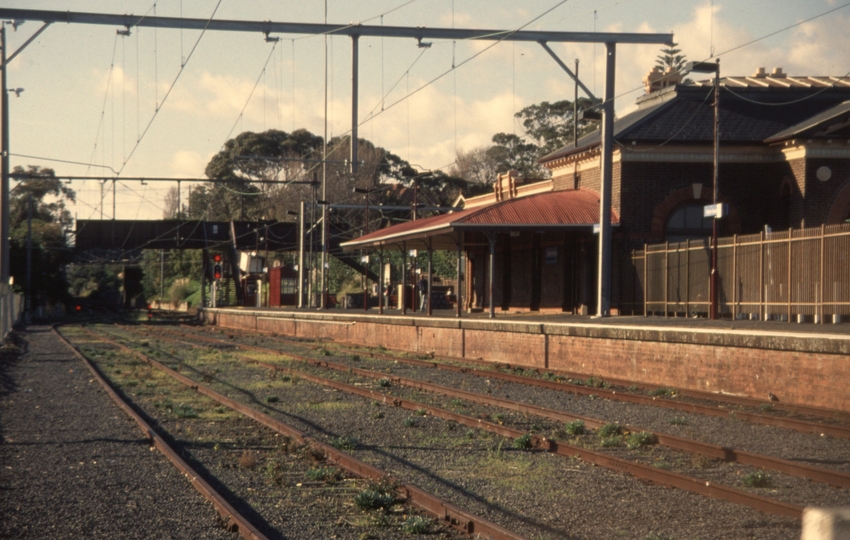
x=747, y=115
x=830, y=123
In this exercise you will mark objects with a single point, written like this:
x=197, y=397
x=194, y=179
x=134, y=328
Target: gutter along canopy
x=551, y=211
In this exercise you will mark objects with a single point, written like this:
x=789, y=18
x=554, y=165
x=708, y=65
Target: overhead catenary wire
x=170, y=88
x=250, y=95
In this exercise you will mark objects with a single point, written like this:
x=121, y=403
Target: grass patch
x=272, y=399
x=384, y=383
x=248, y=460
x=410, y=422
x=575, y=428
x=377, y=415
x=184, y=411
x=766, y=408
x=523, y=442
x=662, y=392
x=324, y=474
x=757, y=479
x=344, y=443
x=416, y=525
x=678, y=421
x=372, y=499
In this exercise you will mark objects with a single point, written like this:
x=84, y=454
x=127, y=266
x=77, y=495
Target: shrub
x=410, y=422
x=609, y=442
x=384, y=383
x=643, y=438
x=377, y=415
x=272, y=399
x=758, y=479
x=576, y=427
x=609, y=430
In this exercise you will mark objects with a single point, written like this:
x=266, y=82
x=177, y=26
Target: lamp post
x=716, y=212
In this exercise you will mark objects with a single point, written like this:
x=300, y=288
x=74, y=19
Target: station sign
x=717, y=211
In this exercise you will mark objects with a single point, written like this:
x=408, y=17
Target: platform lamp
x=714, y=211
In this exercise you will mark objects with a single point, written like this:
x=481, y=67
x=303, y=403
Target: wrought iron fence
x=798, y=274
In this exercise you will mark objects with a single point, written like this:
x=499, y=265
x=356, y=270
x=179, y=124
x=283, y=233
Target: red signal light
x=217, y=257
x=217, y=272
x=78, y=307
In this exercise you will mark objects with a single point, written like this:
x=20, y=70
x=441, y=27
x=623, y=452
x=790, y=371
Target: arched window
x=686, y=222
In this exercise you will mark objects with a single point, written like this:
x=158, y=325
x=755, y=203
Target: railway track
x=832, y=477
x=232, y=519
x=723, y=405
x=443, y=511
x=802, y=470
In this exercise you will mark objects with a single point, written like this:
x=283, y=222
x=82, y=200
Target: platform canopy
x=574, y=210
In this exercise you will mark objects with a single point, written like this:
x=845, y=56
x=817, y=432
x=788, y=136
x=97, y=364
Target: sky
x=161, y=103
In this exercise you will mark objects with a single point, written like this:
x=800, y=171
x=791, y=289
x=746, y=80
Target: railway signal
x=216, y=266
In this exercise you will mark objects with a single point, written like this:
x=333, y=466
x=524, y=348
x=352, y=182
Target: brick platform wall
x=806, y=370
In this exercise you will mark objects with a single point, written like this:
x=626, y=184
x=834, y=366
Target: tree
x=511, y=152
x=50, y=252
x=550, y=125
x=671, y=57
x=475, y=166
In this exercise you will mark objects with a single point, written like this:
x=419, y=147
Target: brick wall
x=805, y=370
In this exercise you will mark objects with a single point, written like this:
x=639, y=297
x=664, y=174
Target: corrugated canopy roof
x=557, y=210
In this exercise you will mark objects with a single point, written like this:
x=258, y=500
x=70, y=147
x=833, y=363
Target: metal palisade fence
x=11, y=309
x=792, y=275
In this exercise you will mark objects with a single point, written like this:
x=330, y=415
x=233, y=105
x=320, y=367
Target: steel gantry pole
x=603, y=292
x=4, y=165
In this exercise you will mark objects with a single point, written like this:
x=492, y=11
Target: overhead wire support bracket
x=568, y=70
x=27, y=42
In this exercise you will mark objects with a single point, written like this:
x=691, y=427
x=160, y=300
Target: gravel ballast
x=532, y=493
x=75, y=466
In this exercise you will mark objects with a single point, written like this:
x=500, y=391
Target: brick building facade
x=784, y=162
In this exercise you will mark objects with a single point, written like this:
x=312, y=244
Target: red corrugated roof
x=553, y=209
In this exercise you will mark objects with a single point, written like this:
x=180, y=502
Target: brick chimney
x=657, y=80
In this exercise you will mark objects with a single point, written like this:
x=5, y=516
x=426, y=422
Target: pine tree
x=671, y=57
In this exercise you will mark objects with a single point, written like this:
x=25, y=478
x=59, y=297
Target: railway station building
x=530, y=244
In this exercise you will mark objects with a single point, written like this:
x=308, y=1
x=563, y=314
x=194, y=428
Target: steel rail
x=443, y=510
x=232, y=519
x=802, y=470
x=802, y=426
x=638, y=470
x=696, y=394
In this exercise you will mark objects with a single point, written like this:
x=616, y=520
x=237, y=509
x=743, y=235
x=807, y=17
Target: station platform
x=801, y=363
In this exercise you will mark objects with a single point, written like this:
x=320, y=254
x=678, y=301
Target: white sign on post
x=716, y=211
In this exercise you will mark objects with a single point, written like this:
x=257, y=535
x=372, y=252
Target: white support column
x=603, y=293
